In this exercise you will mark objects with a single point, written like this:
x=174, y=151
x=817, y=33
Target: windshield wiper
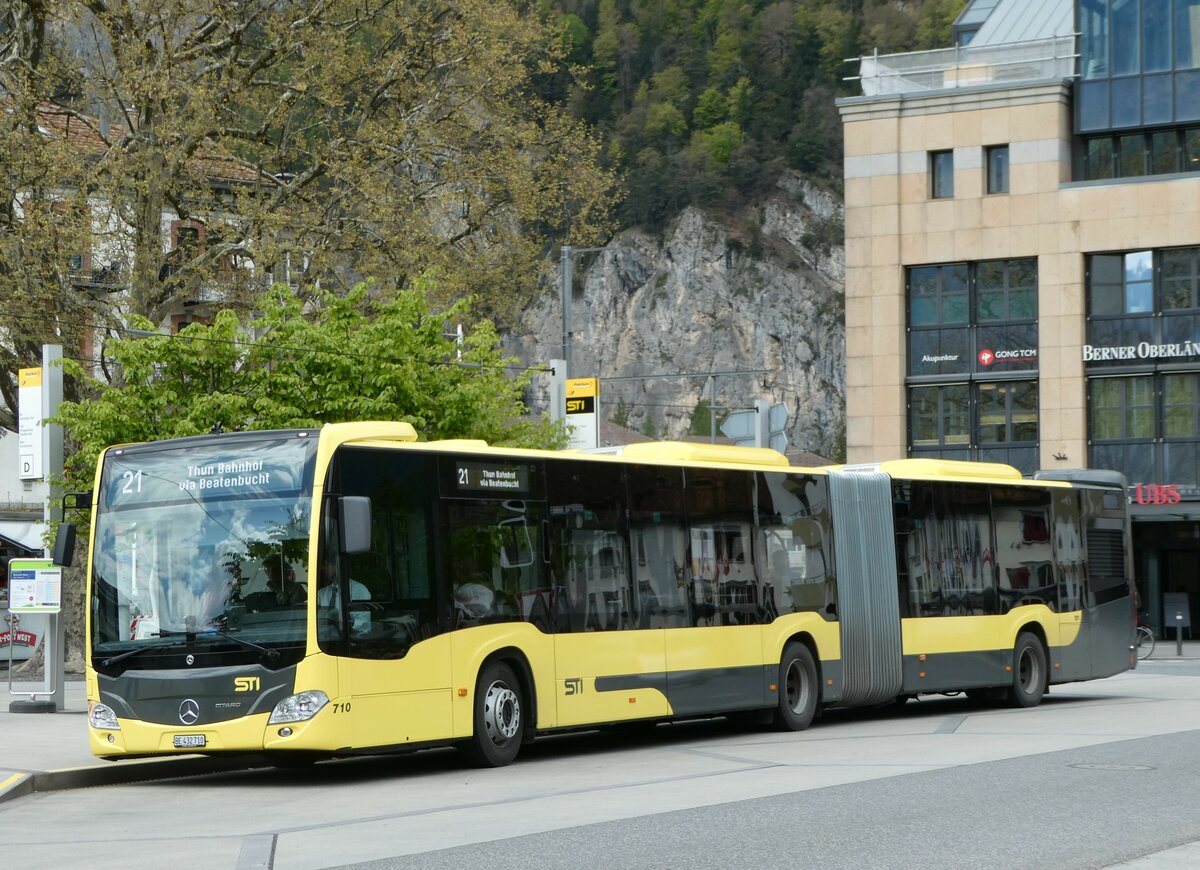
x=190, y=636
x=271, y=654
x=128, y=654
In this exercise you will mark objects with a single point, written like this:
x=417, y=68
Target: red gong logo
x=986, y=357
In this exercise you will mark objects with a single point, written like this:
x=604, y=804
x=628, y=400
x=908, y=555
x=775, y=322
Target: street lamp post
x=567, y=253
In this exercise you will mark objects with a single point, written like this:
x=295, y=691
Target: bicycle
x=1144, y=642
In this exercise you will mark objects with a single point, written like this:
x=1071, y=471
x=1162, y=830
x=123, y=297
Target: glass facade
x=1145, y=426
x=1137, y=63
x=972, y=361
x=1143, y=364
x=1130, y=155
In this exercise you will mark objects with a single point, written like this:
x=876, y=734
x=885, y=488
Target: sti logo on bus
x=574, y=686
x=246, y=684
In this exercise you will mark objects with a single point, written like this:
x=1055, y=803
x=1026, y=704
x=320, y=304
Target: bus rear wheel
x=798, y=689
x=1028, y=672
x=499, y=718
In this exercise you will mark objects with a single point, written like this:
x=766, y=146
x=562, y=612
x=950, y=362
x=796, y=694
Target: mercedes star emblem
x=191, y=659
x=189, y=712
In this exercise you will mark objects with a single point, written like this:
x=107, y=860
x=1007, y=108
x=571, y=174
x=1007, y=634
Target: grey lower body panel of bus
x=868, y=586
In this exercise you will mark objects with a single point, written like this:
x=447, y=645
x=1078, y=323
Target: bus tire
x=798, y=688
x=1029, y=672
x=499, y=717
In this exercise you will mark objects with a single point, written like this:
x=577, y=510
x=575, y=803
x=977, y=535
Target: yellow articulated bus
x=313, y=594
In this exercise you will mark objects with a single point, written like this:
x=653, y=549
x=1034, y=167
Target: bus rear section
x=1005, y=586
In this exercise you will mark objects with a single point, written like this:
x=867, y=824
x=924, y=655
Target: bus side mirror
x=354, y=524
x=64, y=545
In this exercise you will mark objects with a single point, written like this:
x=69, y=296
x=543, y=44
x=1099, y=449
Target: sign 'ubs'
x=1156, y=493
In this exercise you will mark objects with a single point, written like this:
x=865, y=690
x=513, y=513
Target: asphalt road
x=1093, y=807
x=1101, y=774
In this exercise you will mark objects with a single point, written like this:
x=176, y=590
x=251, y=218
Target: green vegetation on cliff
x=706, y=102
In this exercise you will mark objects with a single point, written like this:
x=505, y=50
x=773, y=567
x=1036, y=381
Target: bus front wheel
x=1029, y=672
x=499, y=717
x=798, y=689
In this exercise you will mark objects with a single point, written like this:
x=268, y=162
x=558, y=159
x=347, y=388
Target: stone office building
x=1023, y=257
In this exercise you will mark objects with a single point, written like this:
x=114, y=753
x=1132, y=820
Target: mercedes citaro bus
x=350, y=590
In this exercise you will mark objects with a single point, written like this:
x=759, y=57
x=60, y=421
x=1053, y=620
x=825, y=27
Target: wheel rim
x=1028, y=670
x=501, y=713
x=796, y=688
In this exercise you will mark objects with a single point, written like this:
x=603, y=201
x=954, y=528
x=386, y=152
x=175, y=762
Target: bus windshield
x=203, y=540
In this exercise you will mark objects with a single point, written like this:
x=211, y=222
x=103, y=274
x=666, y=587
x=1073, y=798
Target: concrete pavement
x=42, y=752
x=49, y=751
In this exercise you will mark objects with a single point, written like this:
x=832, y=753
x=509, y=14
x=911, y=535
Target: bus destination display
x=491, y=477
x=205, y=472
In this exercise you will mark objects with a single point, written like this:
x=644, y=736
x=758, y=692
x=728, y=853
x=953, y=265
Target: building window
x=1187, y=34
x=1149, y=298
x=1132, y=155
x=1136, y=59
x=940, y=420
x=972, y=318
x=997, y=169
x=941, y=174
x=1008, y=413
x=972, y=331
x=188, y=236
x=986, y=421
x=1146, y=426
x=1098, y=163
x=71, y=232
x=1164, y=153
x=1143, y=318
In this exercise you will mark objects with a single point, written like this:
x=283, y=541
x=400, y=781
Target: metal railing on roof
x=966, y=66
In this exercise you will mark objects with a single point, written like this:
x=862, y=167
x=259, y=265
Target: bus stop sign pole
x=35, y=586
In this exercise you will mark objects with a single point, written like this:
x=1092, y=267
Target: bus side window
x=794, y=525
x=659, y=540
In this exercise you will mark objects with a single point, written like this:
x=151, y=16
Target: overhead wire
x=134, y=332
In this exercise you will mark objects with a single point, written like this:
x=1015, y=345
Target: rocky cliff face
x=756, y=304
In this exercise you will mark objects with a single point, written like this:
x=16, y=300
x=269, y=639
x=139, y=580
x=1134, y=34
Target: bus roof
x=702, y=453
x=393, y=433
x=939, y=469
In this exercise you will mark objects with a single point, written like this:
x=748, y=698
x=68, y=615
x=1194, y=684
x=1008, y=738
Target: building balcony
x=1038, y=60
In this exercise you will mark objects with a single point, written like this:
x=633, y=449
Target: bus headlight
x=102, y=716
x=298, y=708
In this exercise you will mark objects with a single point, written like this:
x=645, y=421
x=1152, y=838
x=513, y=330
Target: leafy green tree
x=339, y=140
x=664, y=122
x=740, y=99
x=718, y=143
x=711, y=109
x=670, y=85
x=725, y=59
x=575, y=37
x=355, y=357
x=934, y=23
